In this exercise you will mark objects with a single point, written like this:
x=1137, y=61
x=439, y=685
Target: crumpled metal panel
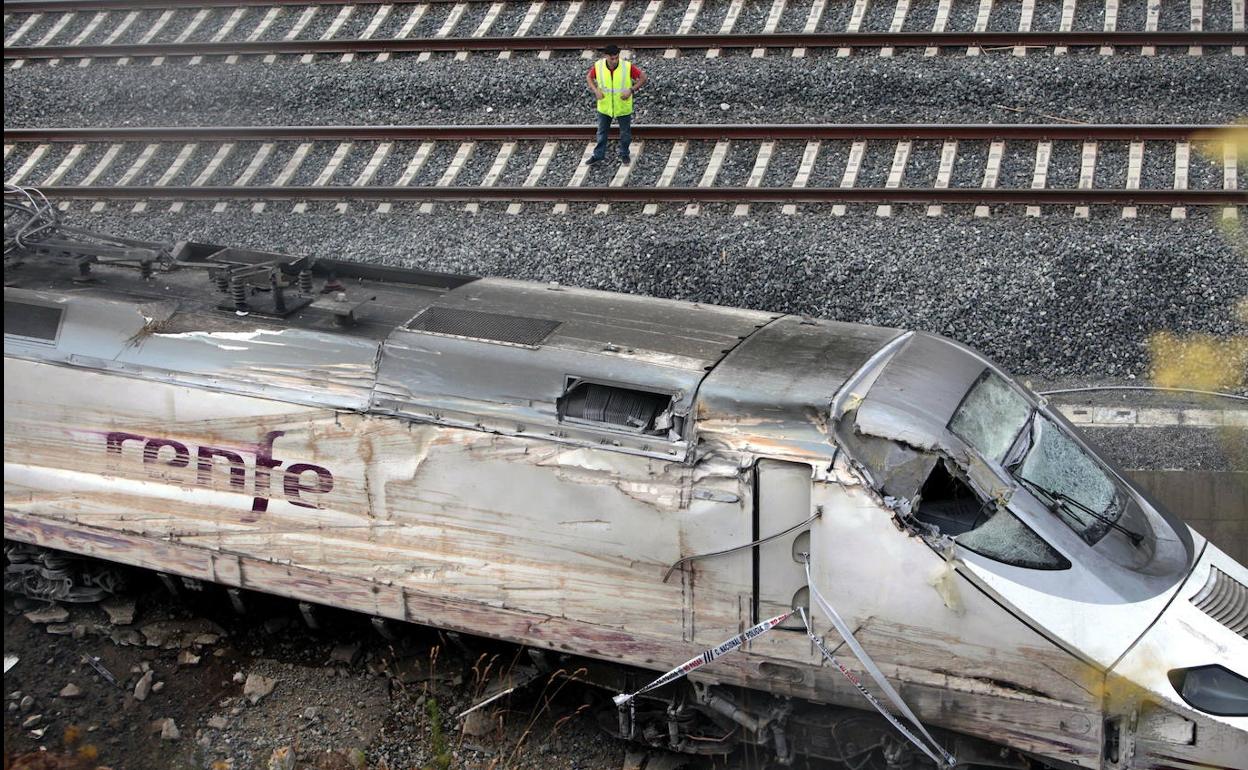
x=255, y=358
x=90, y=326
x=772, y=393
x=897, y=469
x=491, y=327
x=617, y=339
x=642, y=329
x=918, y=392
x=511, y=389
x=298, y=365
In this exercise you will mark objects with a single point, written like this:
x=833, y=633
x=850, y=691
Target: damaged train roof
x=496, y=354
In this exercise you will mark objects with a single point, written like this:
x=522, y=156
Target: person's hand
x=599, y=94
x=626, y=94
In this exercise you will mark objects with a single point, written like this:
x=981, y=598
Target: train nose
x=1179, y=697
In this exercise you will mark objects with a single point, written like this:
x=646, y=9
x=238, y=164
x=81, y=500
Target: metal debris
x=94, y=663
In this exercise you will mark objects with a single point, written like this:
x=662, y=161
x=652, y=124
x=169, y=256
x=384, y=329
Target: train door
x=782, y=500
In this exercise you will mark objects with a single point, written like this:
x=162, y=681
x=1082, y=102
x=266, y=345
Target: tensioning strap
x=947, y=759
x=867, y=694
x=706, y=657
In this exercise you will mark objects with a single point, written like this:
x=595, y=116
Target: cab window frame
x=1013, y=443
x=1058, y=560
x=1055, y=559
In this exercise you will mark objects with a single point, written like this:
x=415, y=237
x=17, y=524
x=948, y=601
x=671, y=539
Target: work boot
x=593, y=161
x=625, y=160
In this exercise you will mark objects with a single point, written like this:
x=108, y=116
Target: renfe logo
x=175, y=454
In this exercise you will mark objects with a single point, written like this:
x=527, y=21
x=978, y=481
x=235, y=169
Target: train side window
x=33, y=322
x=949, y=504
x=617, y=407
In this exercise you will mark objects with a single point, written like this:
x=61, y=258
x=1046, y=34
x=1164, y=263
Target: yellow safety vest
x=612, y=84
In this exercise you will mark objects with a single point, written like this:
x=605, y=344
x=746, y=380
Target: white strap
x=878, y=676
x=842, y=628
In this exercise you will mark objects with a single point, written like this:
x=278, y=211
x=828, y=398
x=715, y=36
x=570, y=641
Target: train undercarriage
x=690, y=717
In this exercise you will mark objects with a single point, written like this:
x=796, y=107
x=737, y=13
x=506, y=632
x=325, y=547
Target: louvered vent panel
x=474, y=324
x=617, y=406
x=1225, y=600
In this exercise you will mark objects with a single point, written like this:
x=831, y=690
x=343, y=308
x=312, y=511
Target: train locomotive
x=629, y=480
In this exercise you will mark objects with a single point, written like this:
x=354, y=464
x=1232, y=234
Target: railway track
x=159, y=30
x=1028, y=165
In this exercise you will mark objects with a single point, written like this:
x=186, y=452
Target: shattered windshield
x=994, y=418
x=1069, y=481
x=1006, y=539
x=991, y=416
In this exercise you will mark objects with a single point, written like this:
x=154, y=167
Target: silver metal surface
x=433, y=478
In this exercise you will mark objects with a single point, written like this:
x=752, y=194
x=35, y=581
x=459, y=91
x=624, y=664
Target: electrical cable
x=40, y=217
x=1092, y=388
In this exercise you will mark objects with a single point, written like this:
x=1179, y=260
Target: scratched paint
x=426, y=523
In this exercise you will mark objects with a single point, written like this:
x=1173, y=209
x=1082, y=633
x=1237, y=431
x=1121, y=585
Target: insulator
x=145, y=269
x=238, y=292
x=305, y=282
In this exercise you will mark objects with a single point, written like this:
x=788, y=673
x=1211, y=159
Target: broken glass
x=1005, y=538
x=991, y=416
x=1059, y=465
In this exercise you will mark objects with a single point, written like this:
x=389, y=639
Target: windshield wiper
x=1061, y=501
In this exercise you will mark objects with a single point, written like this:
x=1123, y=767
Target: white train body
x=526, y=462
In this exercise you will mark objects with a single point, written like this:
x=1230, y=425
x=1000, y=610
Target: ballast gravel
x=795, y=16
x=921, y=17
x=1174, y=16
x=1047, y=16
x=835, y=17
x=962, y=16
x=691, y=88
x=1050, y=297
x=1218, y=15
x=878, y=18
x=1192, y=449
x=1005, y=17
x=590, y=19
x=1132, y=16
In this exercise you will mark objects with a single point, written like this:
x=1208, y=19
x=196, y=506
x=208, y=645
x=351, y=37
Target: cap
x=610, y=50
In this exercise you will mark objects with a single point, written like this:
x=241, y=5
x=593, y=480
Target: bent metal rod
x=931, y=748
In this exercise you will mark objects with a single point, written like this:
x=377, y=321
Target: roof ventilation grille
x=1225, y=600
x=490, y=327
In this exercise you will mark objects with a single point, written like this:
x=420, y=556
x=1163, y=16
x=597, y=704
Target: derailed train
x=602, y=474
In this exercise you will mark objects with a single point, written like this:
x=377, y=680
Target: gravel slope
x=1053, y=297
x=1128, y=89
x=1050, y=297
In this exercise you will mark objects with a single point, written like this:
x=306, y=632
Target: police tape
x=706, y=657
x=948, y=758
x=874, y=672
x=931, y=748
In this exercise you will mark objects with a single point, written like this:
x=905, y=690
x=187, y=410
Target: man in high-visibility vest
x=614, y=84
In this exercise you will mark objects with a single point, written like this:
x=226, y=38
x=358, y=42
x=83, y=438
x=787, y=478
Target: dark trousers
x=626, y=135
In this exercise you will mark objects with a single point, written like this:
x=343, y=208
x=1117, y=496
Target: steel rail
x=708, y=132
x=639, y=42
x=953, y=195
